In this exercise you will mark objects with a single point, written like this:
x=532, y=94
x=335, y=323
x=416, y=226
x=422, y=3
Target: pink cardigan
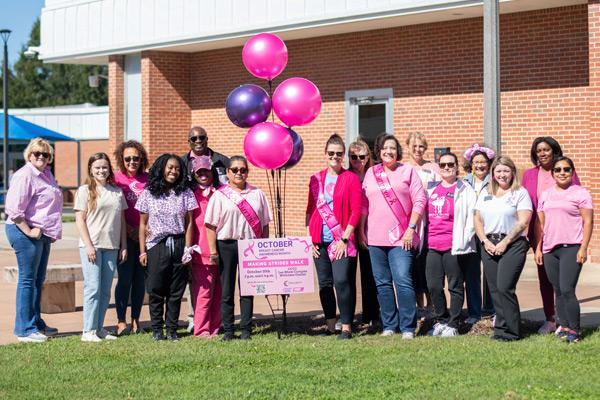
x=347, y=202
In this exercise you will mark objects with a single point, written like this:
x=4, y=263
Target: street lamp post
x=5, y=34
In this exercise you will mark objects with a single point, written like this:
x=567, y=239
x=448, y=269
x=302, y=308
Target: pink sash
x=245, y=208
x=392, y=200
x=332, y=223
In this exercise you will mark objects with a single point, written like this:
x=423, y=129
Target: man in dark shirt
x=198, y=141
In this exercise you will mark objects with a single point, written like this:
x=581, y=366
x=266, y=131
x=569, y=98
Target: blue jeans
x=32, y=259
x=472, y=274
x=130, y=280
x=392, y=267
x=97, y=282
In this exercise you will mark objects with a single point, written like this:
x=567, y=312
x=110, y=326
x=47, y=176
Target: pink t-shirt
x=562, y=221
x=441, y=218
x=545, y=181
x=202, y=196
x=380, y=219
x=132, y=187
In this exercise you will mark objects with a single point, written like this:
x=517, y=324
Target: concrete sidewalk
x=65, y=251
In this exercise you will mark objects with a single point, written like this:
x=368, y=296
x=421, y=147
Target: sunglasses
x=356, y=156
x=200, y=138
x=242, y=170
x=447, y=164
x=132, y=158
x=558, y=170
x=335, y=153
x=38, y=154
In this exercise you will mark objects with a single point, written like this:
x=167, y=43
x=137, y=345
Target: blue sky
x=18, y=16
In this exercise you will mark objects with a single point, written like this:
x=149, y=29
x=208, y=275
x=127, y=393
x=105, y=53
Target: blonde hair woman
x=33, y=208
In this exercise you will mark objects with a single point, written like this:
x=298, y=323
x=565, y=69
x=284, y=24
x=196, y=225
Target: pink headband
x=486, y=150
x=202, y=162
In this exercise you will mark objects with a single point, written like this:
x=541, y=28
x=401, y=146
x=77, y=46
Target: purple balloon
x=297, y=101
x=248, y=105
x=265, y=55
x=297, y=150
x=268, y=145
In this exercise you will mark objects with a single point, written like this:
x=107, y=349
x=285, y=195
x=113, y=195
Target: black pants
x=419, y=274
x=228, y=268
x=340, y=274
x=166, y=278
x=370, y=304
x=563, y=271
x=441, y=265
x=502, y=274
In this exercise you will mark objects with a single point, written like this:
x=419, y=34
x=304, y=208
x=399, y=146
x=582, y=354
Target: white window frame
x=354, y=98
x=133, y=96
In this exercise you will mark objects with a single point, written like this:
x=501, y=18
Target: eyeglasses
x=132, y=159
x=335, y=153
x=566, y=170
x=447, y=164
x=242, y=170
x=38, y=154
x=357, y=156
x=199, y=138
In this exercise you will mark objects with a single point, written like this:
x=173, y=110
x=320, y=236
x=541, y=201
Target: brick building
x=401, y=66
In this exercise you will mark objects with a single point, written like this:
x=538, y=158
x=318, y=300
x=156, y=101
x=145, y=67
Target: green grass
x=303, y=366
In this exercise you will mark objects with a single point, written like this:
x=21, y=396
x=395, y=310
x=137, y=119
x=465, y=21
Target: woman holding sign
x=235, y=211
x=333, y=210
x=393, y=202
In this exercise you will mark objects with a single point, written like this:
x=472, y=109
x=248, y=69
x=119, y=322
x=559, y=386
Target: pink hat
x=202, y=162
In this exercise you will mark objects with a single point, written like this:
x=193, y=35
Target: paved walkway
x=65, y=252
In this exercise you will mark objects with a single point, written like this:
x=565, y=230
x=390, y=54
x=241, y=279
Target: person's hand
x=91, y=254
x=35, y=233
x=539, y=257
x=122, y=256
x=407, y=239
x=489, y=247
x=581, y=255
x=315, y=251
x=340, y=249
x=501, y=247
x=144, y=260
x=214, y=259
x=362, y=240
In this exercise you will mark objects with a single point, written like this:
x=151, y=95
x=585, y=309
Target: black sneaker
x=246, y=335
x=227, y=336
x=158, y=336
x=172, y=336
x=345, y=335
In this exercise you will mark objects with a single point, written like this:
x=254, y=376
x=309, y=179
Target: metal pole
x=78, y=163
x=491, y=74
x=5, y=34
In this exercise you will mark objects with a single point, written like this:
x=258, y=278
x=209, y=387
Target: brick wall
x=116, y=102
x=436, y=73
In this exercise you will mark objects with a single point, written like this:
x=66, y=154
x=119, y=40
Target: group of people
x=411, y=226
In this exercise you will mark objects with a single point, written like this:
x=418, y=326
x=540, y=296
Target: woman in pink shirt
x=332, y=213
x=393, y=202
x=565, y=223
x=132, y=161
x=536, y=180
x=206, y=284
x=34, y=211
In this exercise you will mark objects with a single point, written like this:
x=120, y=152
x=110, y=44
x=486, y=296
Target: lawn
x=303, y=366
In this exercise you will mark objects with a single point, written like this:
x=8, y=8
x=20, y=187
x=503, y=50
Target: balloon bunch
x=295, y=101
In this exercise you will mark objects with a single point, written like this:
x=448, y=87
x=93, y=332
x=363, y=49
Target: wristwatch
x=345, y=240
x=412, y=226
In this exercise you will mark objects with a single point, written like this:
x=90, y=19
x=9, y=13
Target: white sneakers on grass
x=443, y=330
x=103, y=334
x=388, y=332
x=35, y=337
x=97, y=336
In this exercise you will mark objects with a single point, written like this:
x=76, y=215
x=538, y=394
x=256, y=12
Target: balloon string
x=270, y=192
x=271, y=97
x=278, y=194
x=283, y=199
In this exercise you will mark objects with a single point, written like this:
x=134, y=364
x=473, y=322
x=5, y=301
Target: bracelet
x=142, y=255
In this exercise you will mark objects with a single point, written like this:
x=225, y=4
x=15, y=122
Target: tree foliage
x=35, y=84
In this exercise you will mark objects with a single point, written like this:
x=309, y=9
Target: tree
x=35, y=84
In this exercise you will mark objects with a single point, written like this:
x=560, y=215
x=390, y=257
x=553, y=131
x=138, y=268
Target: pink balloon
x=265, y=55
x=297, y=101
x=268, y=145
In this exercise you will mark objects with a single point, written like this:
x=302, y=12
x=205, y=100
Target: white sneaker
x=35, y=337
x=437, y=330
x=190, y=327
x=548, y=327
x=338, y=326
x=104, y=334
x=558, y=330
x=471, y=321
x=449, y=332
x=388, y=332
x=90, y=336
x=494, y=320
x=408, y=335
